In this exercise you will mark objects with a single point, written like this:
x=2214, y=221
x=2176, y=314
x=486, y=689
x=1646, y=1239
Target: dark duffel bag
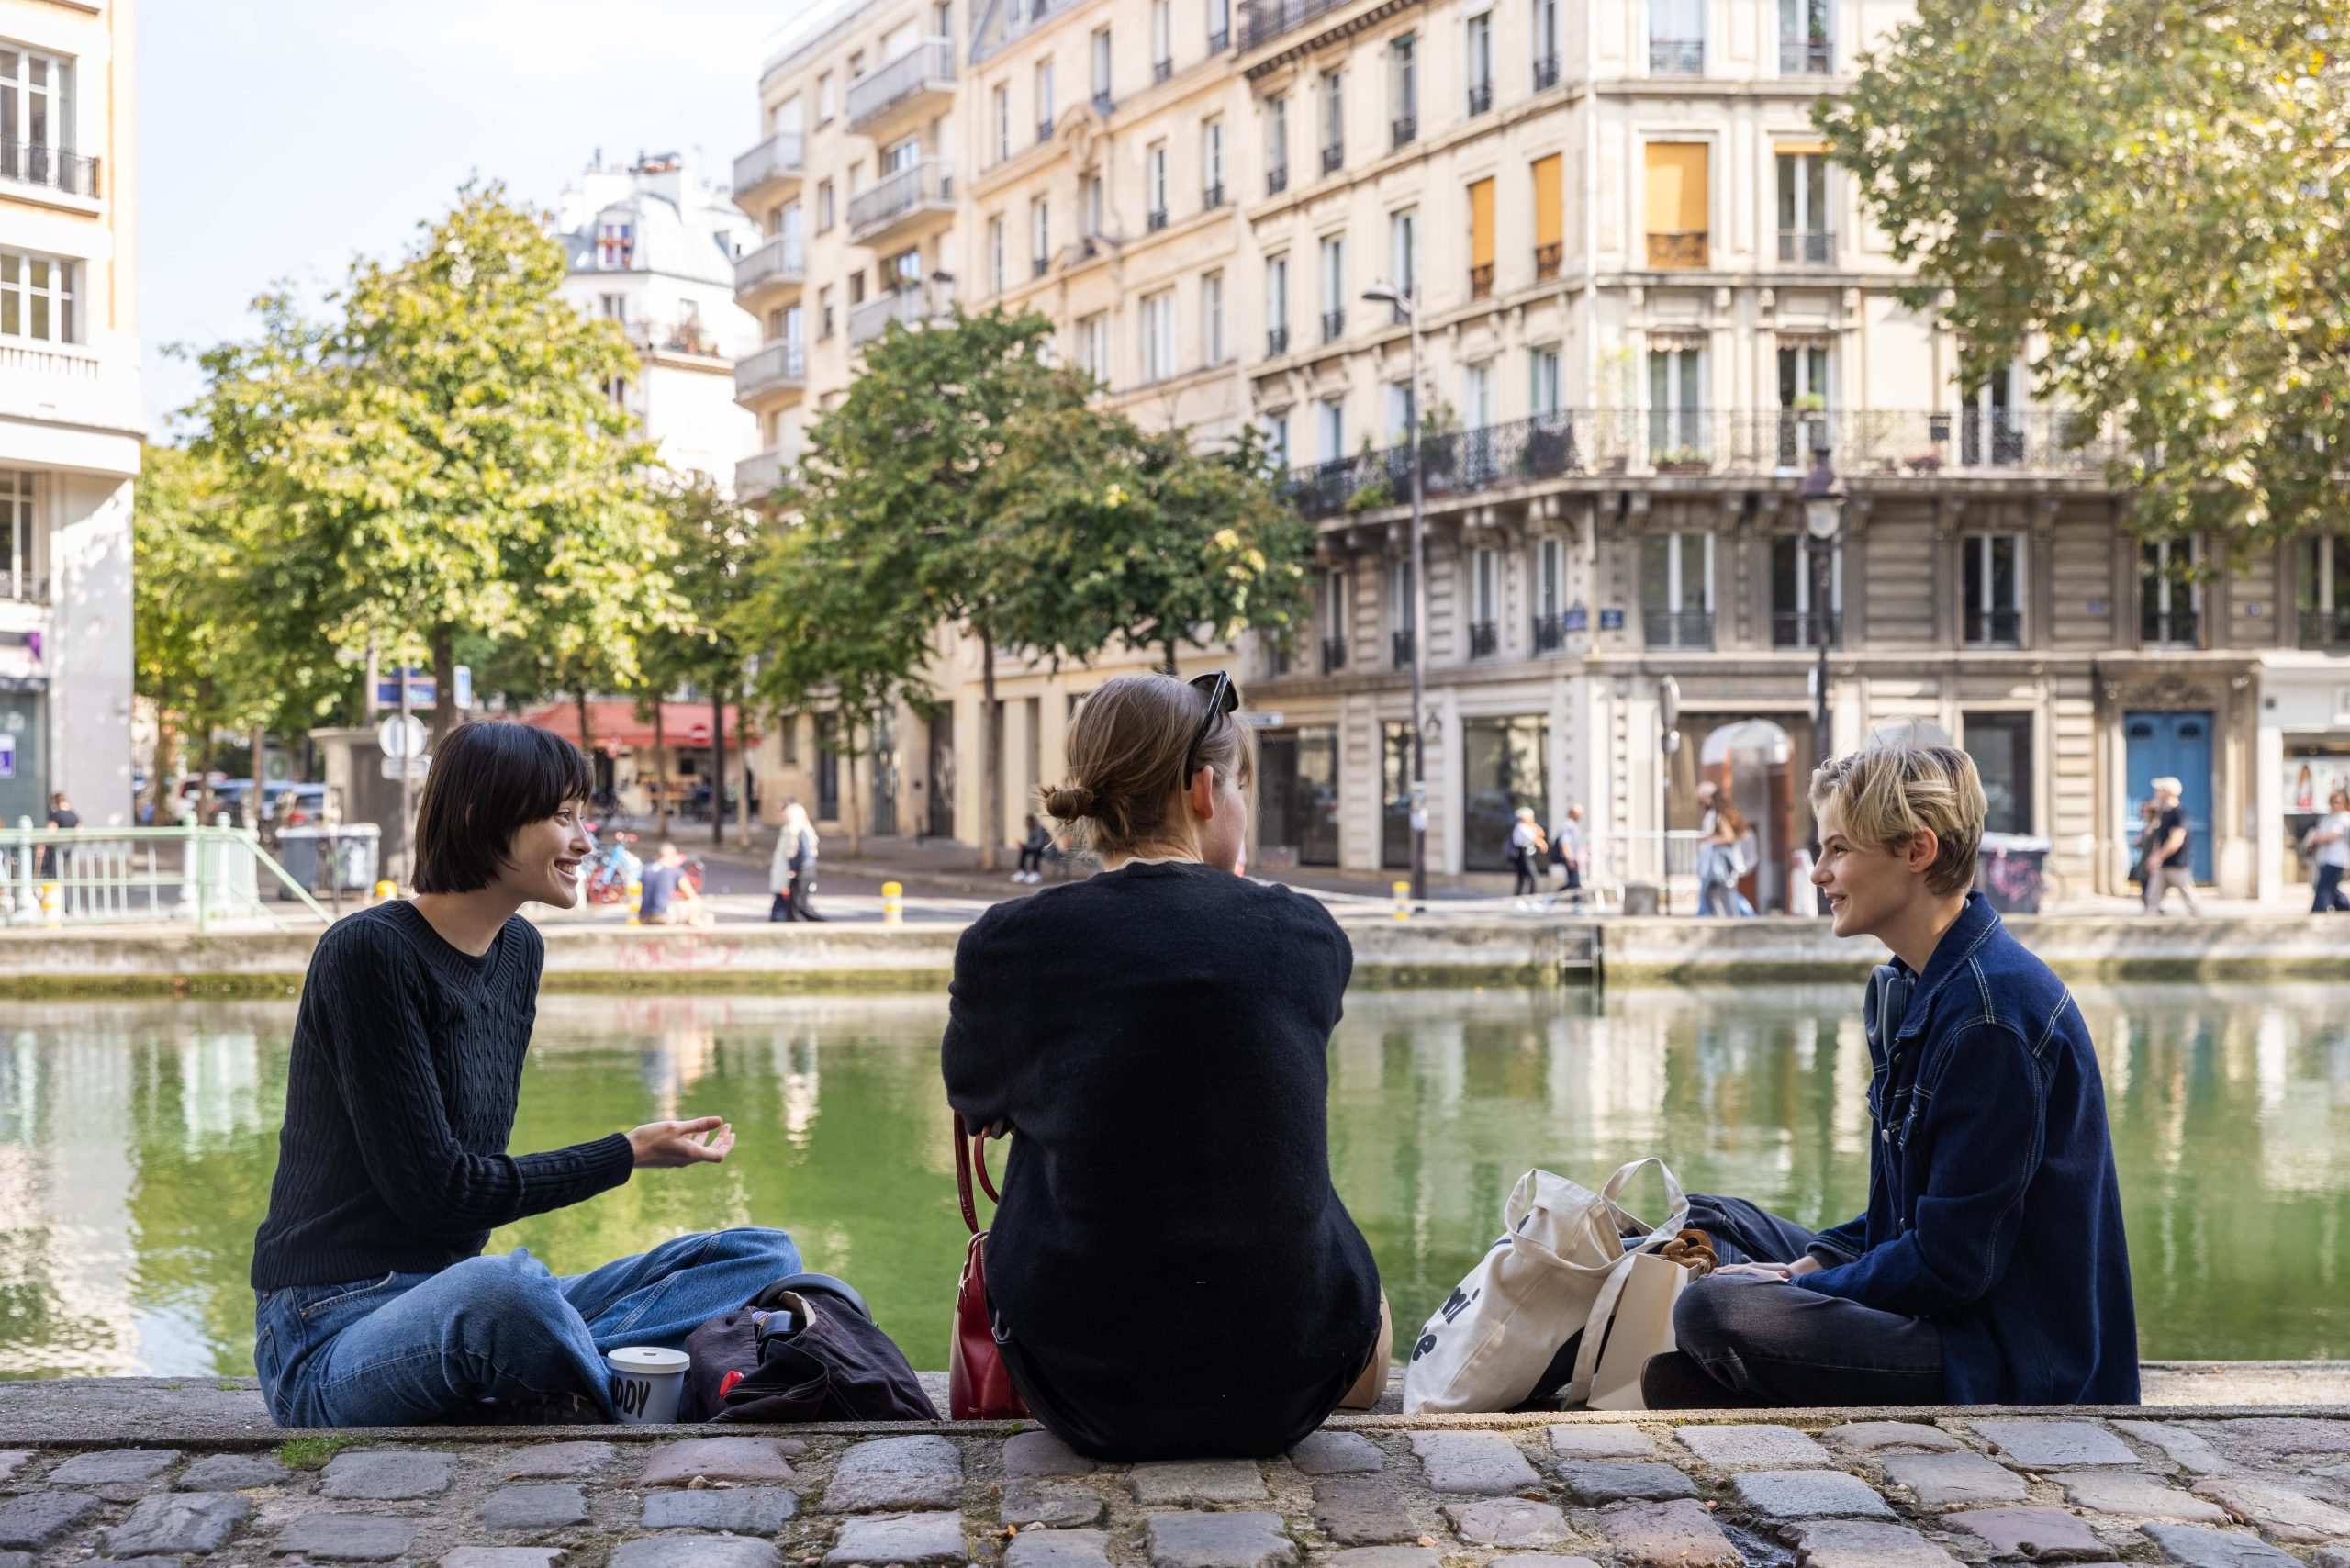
x=805, y=1348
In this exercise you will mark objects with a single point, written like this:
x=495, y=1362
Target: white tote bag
x=1561, y=1266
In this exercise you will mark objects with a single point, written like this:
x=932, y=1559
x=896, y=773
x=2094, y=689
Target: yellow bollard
x=1403, y=901
x=386, y=889
x=635, y=900
x=51, y=905
x=893, y=905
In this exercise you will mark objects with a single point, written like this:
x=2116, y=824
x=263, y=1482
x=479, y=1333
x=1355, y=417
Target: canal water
x=137, y=1141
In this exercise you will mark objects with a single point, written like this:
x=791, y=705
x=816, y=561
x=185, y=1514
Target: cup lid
x=647, y=1359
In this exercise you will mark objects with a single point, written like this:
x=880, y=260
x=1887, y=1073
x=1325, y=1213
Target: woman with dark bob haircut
x=373, y=1304
x=1170, y=1271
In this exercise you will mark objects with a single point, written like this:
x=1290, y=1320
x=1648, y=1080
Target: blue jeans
x=412, y=1349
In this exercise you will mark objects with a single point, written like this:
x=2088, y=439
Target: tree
x=2147, y=196
x=711, y=541
x=442, y=456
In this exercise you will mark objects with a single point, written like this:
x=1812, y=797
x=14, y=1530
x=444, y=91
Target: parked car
x=294, y=805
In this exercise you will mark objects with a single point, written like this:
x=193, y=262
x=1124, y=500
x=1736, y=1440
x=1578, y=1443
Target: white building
x=654, y=246
x=70, y=411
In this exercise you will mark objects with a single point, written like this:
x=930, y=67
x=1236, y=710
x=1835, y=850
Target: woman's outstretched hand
x=665, y=1146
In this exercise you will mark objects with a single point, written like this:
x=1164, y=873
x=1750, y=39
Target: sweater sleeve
x=971, y=1056
x=369, y=1014
x=1985, y=1138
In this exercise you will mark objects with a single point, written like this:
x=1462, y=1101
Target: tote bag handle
x=971, y=1151
x=1603, y=1310
x=1604, y=1240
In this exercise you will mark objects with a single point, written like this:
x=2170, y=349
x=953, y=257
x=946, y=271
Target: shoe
x=541, y=1410
x=1677, y=1381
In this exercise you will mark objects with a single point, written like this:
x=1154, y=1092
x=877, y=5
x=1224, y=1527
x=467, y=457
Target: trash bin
x=1639, y=898
x=322, y=859
x=2007, y=872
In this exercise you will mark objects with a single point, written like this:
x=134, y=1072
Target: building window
x=36, y=121
x=1399, y=411
x=1804, y=238
x=1154, y=164
x=612, y=306
x=1329, y=429
x=1212, y=319
x=1676, y=38
x=1403, y=91
x=1102, y=71
x=1404, y=255
x=1676, y=205
x=1545, y=44
x=1484, y=603
x=1159, y=336
x=2000, y=745
x=2170, y=592
x=1549, y=595
x=1334, y=615
x=1677, y=590
x=1481, y=240
x=1990, y=430
x=1212, y=163
x=37, y=297
x=1804, y=45
x=1395, y=775
x=1676, y=406
x=1219, y=25
x=857, y=288
x=1300, y=796
x=1505, y=765
x=1549, y=175
x=1481, y=64
x=1040, y=235
x=824, y=99
x=997, y=276
x=1277, y=146
x=1543, y=381
x=1402, y=613
x=1993, y=589
x=18, y=578
x=1792, y=623
x=2321, y=591
x=1277, y=437
x=1093, y=346
x=1000, y=102
x=1477, y=395
x=1334, y=121
x=823, y=207
x=615, y=246
x=1043, y=99
x=1162, y=40
x=1276, y=307
x=1333, y=287
x=1803, y=402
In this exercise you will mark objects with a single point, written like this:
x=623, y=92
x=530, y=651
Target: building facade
x=71, y=420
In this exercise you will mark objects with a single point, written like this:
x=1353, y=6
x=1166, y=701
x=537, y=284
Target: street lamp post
x=1408, y=307
x=1823, y=521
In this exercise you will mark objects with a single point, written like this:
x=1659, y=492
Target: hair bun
x=1069, y=803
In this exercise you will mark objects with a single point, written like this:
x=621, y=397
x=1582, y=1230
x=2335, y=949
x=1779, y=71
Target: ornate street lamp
x=1408, y=307
x=1823, y=522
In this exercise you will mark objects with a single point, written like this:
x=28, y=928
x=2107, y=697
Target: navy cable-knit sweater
x=408, y=1057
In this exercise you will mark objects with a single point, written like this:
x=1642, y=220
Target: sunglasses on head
x=1222, y=698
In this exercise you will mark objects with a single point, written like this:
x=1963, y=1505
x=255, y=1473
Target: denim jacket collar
x=1976, y=923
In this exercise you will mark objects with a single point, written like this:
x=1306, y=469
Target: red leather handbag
x=978, y=1387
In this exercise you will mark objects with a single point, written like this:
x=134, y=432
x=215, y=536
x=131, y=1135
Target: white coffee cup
x=646, y=1383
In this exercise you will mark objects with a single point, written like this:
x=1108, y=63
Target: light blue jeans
x=412, y=1349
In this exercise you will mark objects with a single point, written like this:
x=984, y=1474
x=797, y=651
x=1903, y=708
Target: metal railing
x=1219, y=41
x=1547, y=259
x=1154, y=220
x=1262, y=21
x=1677, y=628
x=909, y=306
x=927, y=181
x=1807, y=247
x=1664, y=860
x=38, y=163
x=780, y=364
x=1399, y=649
x=1480, y=280
x=1333, y=325
x=1103, y=104
x=1676, y=57
x=778, y=259
x=782, y=154
x=1549, y=634
x=1333, y=654
x=2176, y=627
x=677, y=337
x=1481, y=98
x=1994, y=628
x=1484, y=639
x=22, y=586
x=1276, y=342
x=1806, y=57
x=119, y=875
x=1044, y=129
x=1212, y=197
x=2326, y=628
x=1276, y=179
x=1545, y=71
x=1404, y=130
x=930, y=61
x=1040, y=266
x=760, y=474
x=1801, y=629
x=1675, y=251
x=1739, y=444
x=1334, y=158
x=1160, y=70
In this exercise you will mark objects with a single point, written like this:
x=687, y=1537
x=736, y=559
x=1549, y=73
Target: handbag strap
x=970, y=1150
x=1620, y=1272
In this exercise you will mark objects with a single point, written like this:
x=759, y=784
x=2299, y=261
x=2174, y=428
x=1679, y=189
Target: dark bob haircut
x=488, y=779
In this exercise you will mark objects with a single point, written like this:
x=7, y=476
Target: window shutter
x=1549, y=217
x=1481, y=223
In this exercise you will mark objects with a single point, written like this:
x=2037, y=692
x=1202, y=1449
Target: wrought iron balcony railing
x=1404, y=130
x=1545, y=71
x=1262, y=21
x=2177, y=628
x=1154, y=220
x=1677, y=628
x=1676, y=57
x=1481, y=98
x=1803, y=628
x=927, y=181
x=1333, y=654
x=1994, y=628
x=1219, y=41
x=1334, y=158
x=1212, y=197
x=1806, y=57
x=1160, y=70
x=1484, y=639
x=1399, y=647
x=1807, y=247
x=1480, y=280
x=1103, y=104
x=931, y=62
x=1547, y=259
x=1333, y=325
x=1276, y=179
x=1549, y=634
x=1670, y=252
x=778, y=155
x=1040, y=266
x=2326, y=628
x=1276, y=342
x=1044, y=129
x=38, y=163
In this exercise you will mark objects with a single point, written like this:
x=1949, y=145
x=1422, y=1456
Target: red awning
x=615, y=726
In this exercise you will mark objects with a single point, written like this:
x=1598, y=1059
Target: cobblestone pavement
x=1646, y=1491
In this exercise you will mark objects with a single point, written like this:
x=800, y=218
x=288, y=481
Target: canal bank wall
x=1434, y=949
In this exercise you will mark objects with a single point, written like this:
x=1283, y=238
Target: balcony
x=38, y=163
x=65, y=383
x=1677, y=252
x=771, y=377
x=1806, y=57
x=1040, y=266
x=2326, y=628
x=1333, y=654
x=1334, y=158
x=1160, y=70
x=769, y=172
x=1481, y=98
x=1212, y=197
x=2168, y=628
x=1546, y=73
x=1677, y=628
x=1547, y=259
x=1276, y=342
x=1994, y=628
x=20, y=586
x=915, y=202
x=1802, y=629
x=1333, y=325
x=1676, y=57
x=769, y=274
x=1154, y=220
x=1399, y=649
x=910, y=307
x=1807, y=247
x=1104, y=105
x=1219, y=41
x=1549, y=634
x=1044, y=129
x=1262, y=21
x=1404, y=130
x=1484, y=639
x=1481, y=281
x=758, y=476
x=689, y=338
x=1276, y=179
x=913, y=87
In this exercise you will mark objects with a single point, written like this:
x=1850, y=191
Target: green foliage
x=441, y=458
x=2148, y=197
x=312, y=1453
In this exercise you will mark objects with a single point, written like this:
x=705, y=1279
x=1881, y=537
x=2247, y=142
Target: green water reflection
x=137, y=1141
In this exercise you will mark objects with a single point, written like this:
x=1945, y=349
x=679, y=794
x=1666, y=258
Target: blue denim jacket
x=1994, y=1210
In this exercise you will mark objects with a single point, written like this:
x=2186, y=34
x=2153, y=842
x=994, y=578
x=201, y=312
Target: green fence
x=136, y=875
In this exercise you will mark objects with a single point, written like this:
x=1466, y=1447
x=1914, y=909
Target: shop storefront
x=1297, y=795
x=1505, y=765
x=2304, y=756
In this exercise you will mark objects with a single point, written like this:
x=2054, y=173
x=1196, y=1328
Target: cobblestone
x=550, y=1506
x=2044, y=1535
x=1196, y=1481
x=898, y=1538
x=502, y=1557
x=178, y=1521
x=1337, y=1454
x=740, y=1510
x=1890, y=1437
x=2279, y=1512
x=2183, y=1446
x=1861, y=1543
x=1385, y=1557
x=1541, y=1560
x=2192, y=1547
x=1759, y=1446
x=723, y=1459
x=1508, y=1521
x=1357, y=1512
x=2035, y=1443
x=1681, y=1534
x=348, y=1538
x=2125, y=1492
x=557, y=1460
x=696, y=1551
x=1613, y=1440
x=1808, y=1495
x=1058, y=1549
x=1942, y=1480
x=1596, y=1483
x=231, y=1473
x=1218, y=1540
x=387, y=1475
x=12, y=1461
x=39, y=1518
x=896, y=1473
x=113, y=1466
x=1042, y=1454
x=1485, y=1462
x=1064, y=1505
x=2284, y=1436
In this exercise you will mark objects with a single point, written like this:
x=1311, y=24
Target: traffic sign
x=414, y=766
x=1259, y=720
x=401, y=735
x=699, y=735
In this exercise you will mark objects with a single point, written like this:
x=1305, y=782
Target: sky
x=278, y=138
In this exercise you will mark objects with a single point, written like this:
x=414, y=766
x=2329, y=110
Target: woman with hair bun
x=1170, y=1271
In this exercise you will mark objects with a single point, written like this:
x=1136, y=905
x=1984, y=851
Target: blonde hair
x=1126, y=760
x=1889, y=792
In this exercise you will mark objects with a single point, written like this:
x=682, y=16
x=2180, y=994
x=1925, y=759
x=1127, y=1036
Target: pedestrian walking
x=1567, y=852
x=2169, y=863
x=801, y=834
x=1525, y=852
x=787, y=844
x=2328, y=845
x=1722, y=838
x=62, y=818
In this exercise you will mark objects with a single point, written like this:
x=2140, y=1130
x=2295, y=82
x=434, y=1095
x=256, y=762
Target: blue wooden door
x=2179, y=744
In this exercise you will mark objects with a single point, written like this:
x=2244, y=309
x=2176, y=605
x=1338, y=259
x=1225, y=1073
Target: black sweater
x=408, y=1055
x=1156, y=1036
